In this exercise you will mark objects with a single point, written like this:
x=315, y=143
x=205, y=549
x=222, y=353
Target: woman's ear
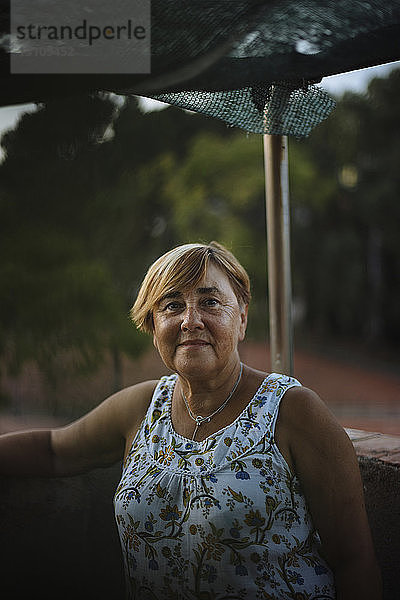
x=243, y=321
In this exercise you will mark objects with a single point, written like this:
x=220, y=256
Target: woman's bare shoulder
x=305, y=422
x=302, y=408
x=130, y=404
x=99, y=437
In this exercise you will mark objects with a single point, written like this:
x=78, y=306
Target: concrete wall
x=382, y=494
x=58, y=537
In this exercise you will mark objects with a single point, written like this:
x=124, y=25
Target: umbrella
x=253, y=64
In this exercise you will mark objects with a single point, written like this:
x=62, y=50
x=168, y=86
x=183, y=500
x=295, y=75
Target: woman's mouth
x=193, y=343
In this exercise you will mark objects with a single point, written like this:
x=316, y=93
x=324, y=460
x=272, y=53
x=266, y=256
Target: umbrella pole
x=278, y=248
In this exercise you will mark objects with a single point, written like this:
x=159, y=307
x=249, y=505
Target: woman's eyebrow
x=208, y=290
x=170, y=295
x=200, y=291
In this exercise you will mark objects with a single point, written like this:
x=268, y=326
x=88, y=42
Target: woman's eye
x=211, y=302
x=173, y=306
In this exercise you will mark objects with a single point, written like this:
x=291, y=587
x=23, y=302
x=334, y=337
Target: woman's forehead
x=214, y=276
x=214, y=281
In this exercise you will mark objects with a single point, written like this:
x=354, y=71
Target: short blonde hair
x=183, y=267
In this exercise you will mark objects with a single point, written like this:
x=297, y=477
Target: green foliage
x=61, y=305
x=344, y=190
x=217, y=192
x=82, y=215
x=57, y=299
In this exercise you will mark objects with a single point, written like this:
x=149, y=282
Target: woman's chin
x=196, y=366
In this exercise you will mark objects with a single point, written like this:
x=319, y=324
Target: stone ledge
x=376, y=445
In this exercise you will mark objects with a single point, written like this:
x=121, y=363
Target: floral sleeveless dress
x=219, y=519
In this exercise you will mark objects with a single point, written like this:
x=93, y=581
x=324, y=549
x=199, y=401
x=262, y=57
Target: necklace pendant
x=198, y=418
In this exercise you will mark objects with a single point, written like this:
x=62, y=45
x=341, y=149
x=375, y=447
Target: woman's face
x=196, y=330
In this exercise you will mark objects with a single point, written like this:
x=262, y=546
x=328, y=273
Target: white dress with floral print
x=220, y=519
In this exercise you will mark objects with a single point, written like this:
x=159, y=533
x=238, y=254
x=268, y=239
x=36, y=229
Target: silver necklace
x=198, y=418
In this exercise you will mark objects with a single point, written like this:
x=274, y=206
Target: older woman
x=236, y=484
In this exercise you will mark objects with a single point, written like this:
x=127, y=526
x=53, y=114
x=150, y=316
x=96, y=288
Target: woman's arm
x=324, y=460
x=26, y=453
x=96, y=440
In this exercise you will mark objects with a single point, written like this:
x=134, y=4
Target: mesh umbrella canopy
x=252, y=64
x=264, y=84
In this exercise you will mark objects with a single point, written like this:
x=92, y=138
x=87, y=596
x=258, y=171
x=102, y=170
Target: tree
x=344, y=191
x=82, y=215
x=217, y=192
x=60, y=306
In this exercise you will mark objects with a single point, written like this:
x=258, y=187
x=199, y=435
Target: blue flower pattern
x=219, y=518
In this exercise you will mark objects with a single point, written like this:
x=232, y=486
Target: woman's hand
x=323, y=458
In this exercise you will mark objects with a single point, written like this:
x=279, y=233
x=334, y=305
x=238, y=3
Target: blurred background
x=94, y=188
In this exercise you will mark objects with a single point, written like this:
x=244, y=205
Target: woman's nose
x=191, y=319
